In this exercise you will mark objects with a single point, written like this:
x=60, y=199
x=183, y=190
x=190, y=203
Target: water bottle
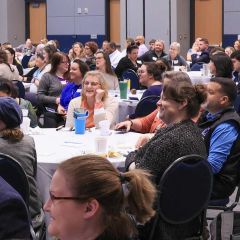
x=25, y=126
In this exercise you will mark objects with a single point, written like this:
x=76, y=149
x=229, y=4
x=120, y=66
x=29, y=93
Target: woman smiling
x=180, y=102
x=95, y=99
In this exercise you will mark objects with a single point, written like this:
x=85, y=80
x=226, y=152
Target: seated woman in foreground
x=90, y=199
x=94, y=98
x=180, y=102
x=21, y=147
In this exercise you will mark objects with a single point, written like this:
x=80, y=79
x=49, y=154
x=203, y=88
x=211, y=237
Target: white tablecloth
x=54, y=147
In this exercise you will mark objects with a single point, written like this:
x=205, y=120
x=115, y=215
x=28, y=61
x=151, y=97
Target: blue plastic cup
x=80, y=121
x=80, y=125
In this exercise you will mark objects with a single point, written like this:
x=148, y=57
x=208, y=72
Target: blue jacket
x=70, y=91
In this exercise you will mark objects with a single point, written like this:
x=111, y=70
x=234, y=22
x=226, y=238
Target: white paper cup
x=25, y=112
x=25, y=126
x=104, y=127
x=101, y=145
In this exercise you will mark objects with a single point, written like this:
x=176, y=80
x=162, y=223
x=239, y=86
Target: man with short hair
x=114, y=54
x=204, y=54
x=140, y=41
x=221, y=132
x=155, y=54
x=151, y=44
x=26, y=48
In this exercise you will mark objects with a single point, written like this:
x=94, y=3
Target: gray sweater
x=48, y=90
x=25, y=153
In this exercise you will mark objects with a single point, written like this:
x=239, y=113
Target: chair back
x=145, y=106
x=25, y=60
x=20, y=88
x=185, y=189
x=13, y=173
x=132, y=75
x=197, y=66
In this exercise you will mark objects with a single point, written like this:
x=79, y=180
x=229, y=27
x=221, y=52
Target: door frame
x=192, y=21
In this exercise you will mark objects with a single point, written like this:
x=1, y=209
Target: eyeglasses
x=65, y=62
x=93, y=84
x=53, y=198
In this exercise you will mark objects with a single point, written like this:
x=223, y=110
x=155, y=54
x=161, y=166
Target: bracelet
x=130, y=122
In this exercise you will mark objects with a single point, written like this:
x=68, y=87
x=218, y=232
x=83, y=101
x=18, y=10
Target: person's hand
x=99, y=95
x=61, y=110
x=57, y=100
x=126, y=124
x=144, y=138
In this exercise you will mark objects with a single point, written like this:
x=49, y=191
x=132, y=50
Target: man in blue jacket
x=221, y=132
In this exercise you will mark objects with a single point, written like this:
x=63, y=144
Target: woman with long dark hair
x=78, y=69
x=103, y=65
x=12, y=60
x=50, y=88
x=221, y=65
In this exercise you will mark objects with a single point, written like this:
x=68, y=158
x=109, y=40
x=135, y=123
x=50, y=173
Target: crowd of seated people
x=189, y=119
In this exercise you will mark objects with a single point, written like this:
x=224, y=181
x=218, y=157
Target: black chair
x=197, y=66
x=14, y=217
x=25, y=60
x=184, y=192
x=134, y=79
x=222, y=204
x=145, y=106
x=20, y=88
x=13, y=173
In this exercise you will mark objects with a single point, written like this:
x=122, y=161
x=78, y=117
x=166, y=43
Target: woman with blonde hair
x=90, y=199
x=94, y=98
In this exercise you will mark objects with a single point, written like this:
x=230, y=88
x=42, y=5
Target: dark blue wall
x=66, y=41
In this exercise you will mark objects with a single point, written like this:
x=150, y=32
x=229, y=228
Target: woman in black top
x=128, y=62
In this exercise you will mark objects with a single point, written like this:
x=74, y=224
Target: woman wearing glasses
x=103, y=64
x=90, y=199
x=50, y=88
x=95, y=99
x=150, y=76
